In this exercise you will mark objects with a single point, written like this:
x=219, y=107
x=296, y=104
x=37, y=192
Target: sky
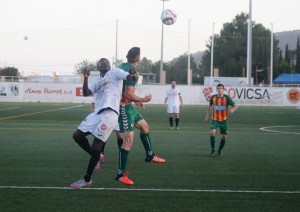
x=63, y=33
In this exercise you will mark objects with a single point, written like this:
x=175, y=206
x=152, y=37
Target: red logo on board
x=293, y=95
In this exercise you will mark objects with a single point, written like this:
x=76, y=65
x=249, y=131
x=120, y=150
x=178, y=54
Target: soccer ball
x=168, y=17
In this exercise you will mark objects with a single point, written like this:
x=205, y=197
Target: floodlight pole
x=189, y=79
x=212, y=54
x=271, y=55
x=162, y=48
x=116, y=59
x=249, y=45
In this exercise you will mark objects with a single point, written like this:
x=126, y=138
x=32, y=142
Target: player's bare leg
x=80, y=138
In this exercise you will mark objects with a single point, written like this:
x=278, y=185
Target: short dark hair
x=133, y=55
x=220, y=85
x=103, y=65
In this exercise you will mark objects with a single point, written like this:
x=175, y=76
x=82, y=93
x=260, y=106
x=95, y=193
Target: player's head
x=173, y=83
x=220, y=89
x=103, y=65
x=220, y=85
x=133, y=55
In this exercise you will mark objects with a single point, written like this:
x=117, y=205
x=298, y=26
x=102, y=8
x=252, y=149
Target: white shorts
x=100, y=125
x=117, y=128
x=173, y=109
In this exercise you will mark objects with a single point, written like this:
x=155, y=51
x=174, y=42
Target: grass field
x=259, y=169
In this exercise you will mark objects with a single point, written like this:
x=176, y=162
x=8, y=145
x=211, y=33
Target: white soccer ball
x=168, y=17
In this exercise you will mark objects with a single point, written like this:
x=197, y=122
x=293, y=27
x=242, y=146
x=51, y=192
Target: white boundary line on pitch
x=150, y=189
x=30, y=124
x=10, y=108
x=39, y=112
x=278, y=131
x=65, y=108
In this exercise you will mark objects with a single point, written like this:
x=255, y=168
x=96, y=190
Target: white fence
x=192, y=95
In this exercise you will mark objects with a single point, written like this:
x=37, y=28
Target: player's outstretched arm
x=141, y=104
x=129, y=94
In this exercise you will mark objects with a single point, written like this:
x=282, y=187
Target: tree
x=9, y=71
x=297, y=67
x=156, y=69
x=292, y=55
x=230, y=49
x=145, y=66
x=117, y=62
x=177, y=70
x=287, y=55
x=289, y=60
x=85, y=64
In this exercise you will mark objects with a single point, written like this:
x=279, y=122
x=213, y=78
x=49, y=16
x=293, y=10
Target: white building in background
x=76, y=78
x=41, y=79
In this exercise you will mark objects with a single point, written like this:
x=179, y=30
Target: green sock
x=145, y=138
x=123, y=156
x=177, y=121
x=171, y=121
x=222, y=144
x=212, y=142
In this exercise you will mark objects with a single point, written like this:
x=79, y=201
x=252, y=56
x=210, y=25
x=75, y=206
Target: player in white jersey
x=175, y=102
x=103, y=120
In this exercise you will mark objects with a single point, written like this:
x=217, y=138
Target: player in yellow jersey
x=219, y=104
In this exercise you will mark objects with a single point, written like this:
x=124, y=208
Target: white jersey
x=173, y=97
x=107, y=90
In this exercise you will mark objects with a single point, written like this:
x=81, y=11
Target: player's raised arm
x=132, y=76
x=85, y=89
